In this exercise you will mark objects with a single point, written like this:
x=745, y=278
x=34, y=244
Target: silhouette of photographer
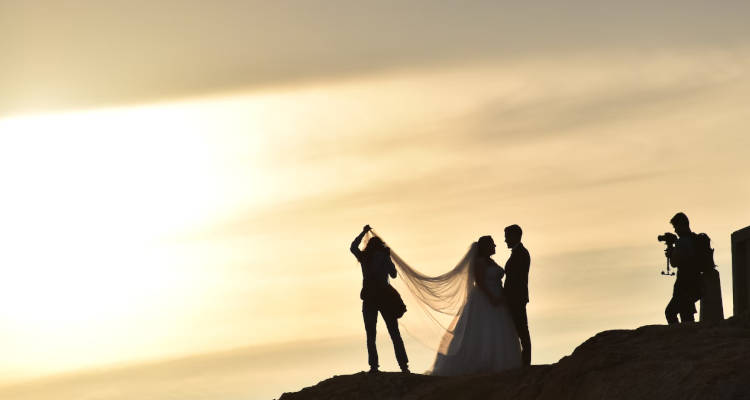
x=379, y=296
x=685, y=258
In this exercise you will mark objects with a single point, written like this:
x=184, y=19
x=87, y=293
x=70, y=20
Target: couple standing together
x=489, y=317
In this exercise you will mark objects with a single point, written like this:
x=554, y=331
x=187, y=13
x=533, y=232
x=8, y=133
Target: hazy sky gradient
x=89, y=53
x=140, y=230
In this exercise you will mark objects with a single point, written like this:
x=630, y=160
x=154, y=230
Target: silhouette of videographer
x=683, y=255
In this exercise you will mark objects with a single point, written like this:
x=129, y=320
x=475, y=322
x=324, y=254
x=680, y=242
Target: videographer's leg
x=687, y=317
x=687, y=310
x=370, y=315
x=671, y=311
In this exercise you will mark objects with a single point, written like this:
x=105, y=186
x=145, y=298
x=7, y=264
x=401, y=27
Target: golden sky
x=180, y=179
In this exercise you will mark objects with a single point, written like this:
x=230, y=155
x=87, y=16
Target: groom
x=517, y=287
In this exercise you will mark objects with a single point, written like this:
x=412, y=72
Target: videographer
x=684, y=257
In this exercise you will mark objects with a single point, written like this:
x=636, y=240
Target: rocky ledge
x=696, y=361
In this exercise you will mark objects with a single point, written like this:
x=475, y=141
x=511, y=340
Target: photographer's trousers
x=370, y=311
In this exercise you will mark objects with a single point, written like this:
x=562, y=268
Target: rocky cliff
x=696, y=361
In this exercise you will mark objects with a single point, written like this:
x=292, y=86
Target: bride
x=481, y=337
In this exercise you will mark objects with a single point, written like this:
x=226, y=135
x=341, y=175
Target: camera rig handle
x=668, y=272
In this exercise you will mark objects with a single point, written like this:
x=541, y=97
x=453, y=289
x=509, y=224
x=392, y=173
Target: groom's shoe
x=373, y=370
x=405, y=369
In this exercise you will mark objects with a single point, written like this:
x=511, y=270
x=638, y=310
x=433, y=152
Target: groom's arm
x=525, y=264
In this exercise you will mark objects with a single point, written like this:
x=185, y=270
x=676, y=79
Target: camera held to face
x=670, y=239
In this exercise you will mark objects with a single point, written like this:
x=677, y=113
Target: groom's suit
x=517, y=294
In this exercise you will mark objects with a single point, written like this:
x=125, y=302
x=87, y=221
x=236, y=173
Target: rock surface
x=696, y=361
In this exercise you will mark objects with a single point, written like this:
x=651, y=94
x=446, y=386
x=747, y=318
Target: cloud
x=560, y=115
x=567, y=132
x=576, y=103
x=636, y=141
x=248, y=372
x=103, y=53
x=514, y=104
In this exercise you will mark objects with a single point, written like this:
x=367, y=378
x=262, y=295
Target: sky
x=182, y=180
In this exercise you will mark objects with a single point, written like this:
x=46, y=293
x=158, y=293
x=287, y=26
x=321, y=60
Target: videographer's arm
x=682, y=254
x=668, y=252
x=676, y=257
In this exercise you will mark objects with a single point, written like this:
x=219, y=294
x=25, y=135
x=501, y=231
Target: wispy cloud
x=565, y=113
x=128, y=52
x=564, y=132
x=253, y=372
x=590, y=149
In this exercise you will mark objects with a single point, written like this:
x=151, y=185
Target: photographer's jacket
x=376, y=268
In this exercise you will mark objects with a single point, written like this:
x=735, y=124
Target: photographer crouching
x=683, y=251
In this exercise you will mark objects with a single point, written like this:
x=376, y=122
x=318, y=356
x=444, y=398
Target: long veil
x=441, y=300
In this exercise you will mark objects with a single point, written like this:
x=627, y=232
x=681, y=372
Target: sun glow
x=90, y=203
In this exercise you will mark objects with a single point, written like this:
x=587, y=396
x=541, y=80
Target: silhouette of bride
x=483, y=336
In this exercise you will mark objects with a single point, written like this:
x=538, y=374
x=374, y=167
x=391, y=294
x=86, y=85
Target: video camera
x=670, y=239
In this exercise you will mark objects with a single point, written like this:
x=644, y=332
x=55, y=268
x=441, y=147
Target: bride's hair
x=483, y=245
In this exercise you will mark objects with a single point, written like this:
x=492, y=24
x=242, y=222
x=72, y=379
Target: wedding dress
x=489, y=341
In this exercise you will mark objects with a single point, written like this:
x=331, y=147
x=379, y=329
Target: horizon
x=184, y=180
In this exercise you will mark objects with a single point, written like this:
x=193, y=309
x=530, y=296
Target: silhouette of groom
x=517, y=287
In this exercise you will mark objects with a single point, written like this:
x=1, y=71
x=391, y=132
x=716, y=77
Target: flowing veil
x=440, y=298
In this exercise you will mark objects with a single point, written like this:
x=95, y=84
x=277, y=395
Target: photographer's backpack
x=712, y=308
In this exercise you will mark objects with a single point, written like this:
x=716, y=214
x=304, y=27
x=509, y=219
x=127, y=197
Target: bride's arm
x=479, y=279
x=502, y=270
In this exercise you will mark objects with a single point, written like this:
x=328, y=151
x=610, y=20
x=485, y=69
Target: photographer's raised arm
x=354, y=248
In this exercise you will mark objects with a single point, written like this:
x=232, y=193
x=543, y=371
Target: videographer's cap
x=679, y=219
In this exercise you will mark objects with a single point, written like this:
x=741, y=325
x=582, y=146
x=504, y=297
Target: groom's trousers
x=370, y=311
x=521, y=320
